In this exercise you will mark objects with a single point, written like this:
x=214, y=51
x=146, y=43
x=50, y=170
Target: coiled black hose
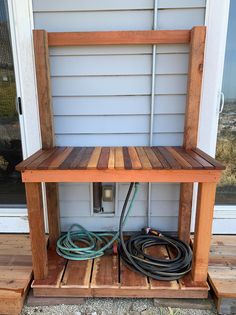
x=133, y=252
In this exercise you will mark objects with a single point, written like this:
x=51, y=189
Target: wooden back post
x=46, y=126
x=196, y=59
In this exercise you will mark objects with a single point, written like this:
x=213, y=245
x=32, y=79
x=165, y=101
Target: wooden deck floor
x=222, y=272
x=106, y=273
x=15, y=272
x=107, y=276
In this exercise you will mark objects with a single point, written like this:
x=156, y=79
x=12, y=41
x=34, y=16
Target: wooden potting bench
x=107, y=276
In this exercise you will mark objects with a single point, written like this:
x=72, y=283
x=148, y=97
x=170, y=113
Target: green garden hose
x=92, y=245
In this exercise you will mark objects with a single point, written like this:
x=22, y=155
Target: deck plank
x=92, y=164
x=105, y=272
x=155, y=162
x=56, y=266
x=77, y=274
x=160, y=251
x=103, y=159
x=136, y=164
x=143, y=158
x=85, y=158
x=119, y=158
x=127, y=159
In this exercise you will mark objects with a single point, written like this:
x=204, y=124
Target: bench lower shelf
x=109, y=277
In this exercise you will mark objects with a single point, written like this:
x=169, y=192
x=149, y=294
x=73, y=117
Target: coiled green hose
x=94, y=244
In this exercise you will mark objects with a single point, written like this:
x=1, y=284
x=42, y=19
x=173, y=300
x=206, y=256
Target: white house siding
x=101, y=95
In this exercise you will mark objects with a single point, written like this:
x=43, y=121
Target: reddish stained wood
x=77, y=158
x=58, y=160
x=185, y=164
x=143, y=158
x=44, y=87
x=56, y=266
x=127, y=160
x=85, y=158
x=49, y=160
x=118, y=38
x=196, y=59
x=156, y=164
x=210, y=159
x=119, y=158
x=131, y=279
x=36, y=162
x=22, y=165
x=203, y=225
x=111, y=162
x=70, y=159
x=52, y=199
x=77, y=274
x=188, y=158
x=161, y=252
x=92, y=164
x=136, y=164
x=37, y=230
x=198, y=158
x=105, y=272
x=161, y=158
x=185, y=210
x=168, y=156
x=120, y=175
x=103, y=159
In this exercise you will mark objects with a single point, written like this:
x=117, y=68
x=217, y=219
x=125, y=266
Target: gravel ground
x=96, y=306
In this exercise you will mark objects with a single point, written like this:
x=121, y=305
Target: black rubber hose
x=134, y=255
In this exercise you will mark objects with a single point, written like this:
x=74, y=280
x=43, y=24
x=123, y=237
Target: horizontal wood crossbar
x=119, y=38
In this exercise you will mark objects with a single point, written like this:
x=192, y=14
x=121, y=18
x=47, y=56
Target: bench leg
x=53, y=212
x=37, y=229
x=185, y=207
x=203, y=226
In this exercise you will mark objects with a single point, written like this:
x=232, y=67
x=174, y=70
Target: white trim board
x=21, y=25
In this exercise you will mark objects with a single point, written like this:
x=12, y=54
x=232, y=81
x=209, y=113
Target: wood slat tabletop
x=127, y=158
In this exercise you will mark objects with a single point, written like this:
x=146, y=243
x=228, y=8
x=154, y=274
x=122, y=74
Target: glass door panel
x=226, y=140
x=12, y=192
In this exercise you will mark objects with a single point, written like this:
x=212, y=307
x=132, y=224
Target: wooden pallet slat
x=129, y=279
x=77, y=274
x=56, y=267
x=161, y=252
x=105, y=272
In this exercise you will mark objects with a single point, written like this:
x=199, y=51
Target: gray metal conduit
x=152, y=105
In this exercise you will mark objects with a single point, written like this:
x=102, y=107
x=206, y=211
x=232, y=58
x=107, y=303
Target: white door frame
x=216, y=21
x=21, y=25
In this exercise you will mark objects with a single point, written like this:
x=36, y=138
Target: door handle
x=222, y=102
